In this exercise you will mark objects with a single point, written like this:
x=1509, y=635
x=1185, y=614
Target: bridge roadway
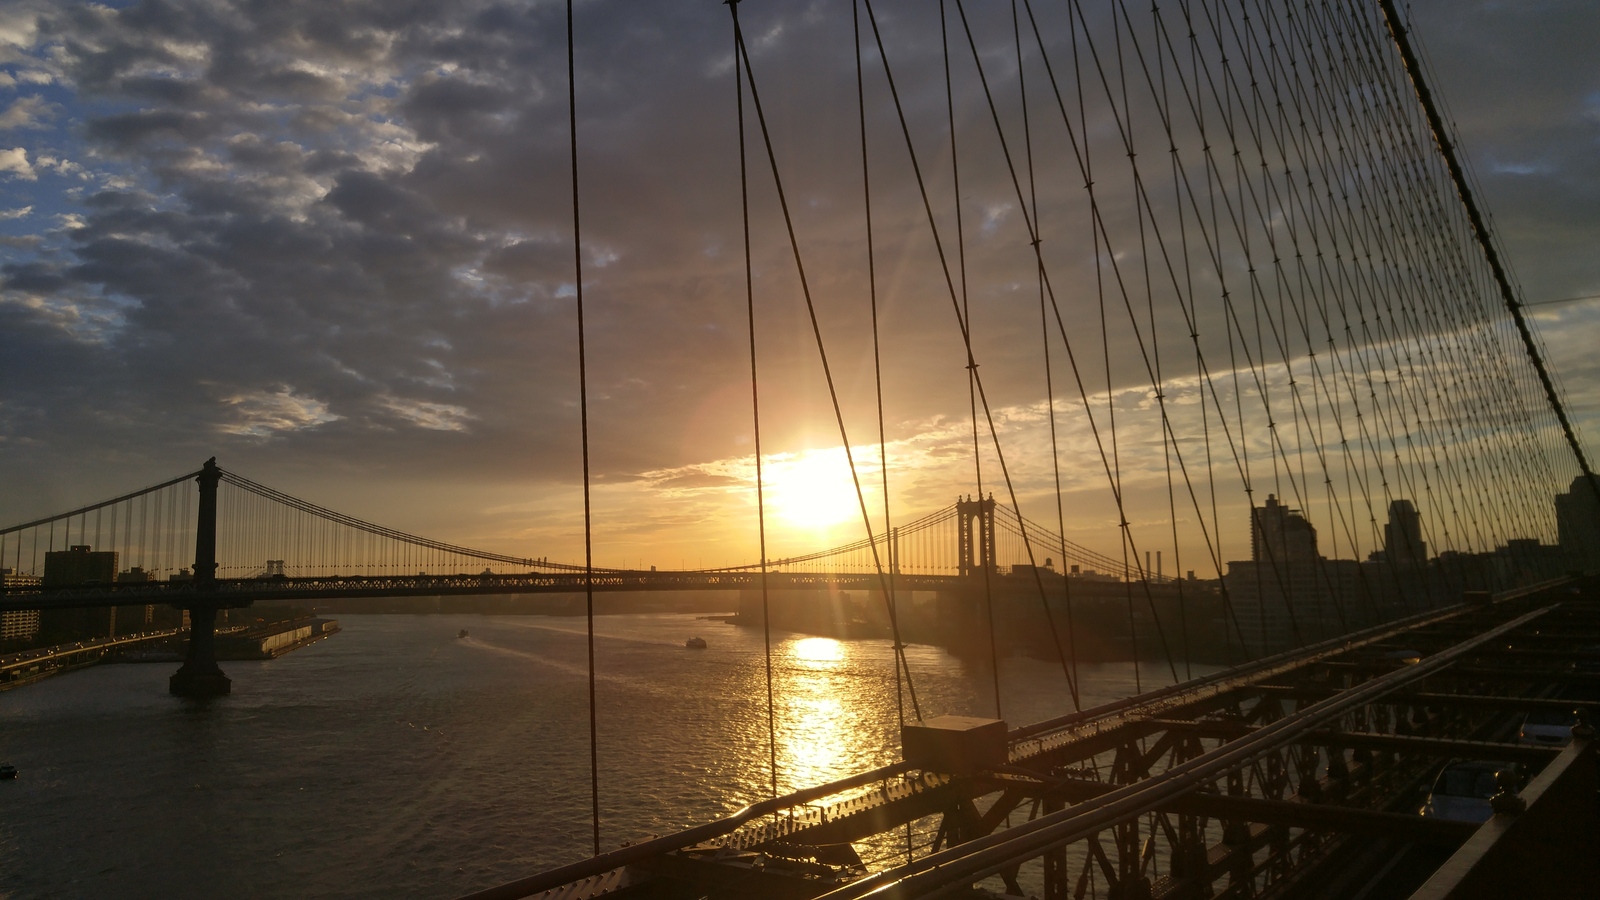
x=24, y=665
x=235, y=592
x=1295, y=775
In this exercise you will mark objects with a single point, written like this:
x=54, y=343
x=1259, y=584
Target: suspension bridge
x=1258, y=266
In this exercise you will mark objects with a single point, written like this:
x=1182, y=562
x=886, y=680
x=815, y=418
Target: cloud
x=371, y=203
x=18, y=213
x=65, y=167
x=28, y=112
x=263, y=414
x=429, y=415
x=16, y=162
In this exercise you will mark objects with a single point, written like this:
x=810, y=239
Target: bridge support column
x=976, y=548
x=199, y=676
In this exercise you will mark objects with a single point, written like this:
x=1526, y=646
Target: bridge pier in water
x=199, y=676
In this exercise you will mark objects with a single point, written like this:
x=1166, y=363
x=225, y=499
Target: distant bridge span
x=251, y=542
x=237, y=592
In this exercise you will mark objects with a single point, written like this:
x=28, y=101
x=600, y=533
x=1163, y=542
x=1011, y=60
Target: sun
x=813, y=489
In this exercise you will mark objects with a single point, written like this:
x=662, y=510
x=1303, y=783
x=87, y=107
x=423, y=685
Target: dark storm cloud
x=123, y=133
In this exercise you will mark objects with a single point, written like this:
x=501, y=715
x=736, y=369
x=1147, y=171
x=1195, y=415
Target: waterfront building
x=1578, y=521
x=21, y=624
x=11, y=578
x=18, y=625
x=79, y=564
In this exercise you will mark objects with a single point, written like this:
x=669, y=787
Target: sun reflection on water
x=820, y=729
x=817, y=652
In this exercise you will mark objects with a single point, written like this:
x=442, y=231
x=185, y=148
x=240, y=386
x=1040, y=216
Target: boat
x=462, y=633
x=8, y=771
x=695, y=643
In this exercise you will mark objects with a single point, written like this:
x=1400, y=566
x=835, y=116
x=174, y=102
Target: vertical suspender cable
x=755, y=413
x=583, y=418
x=1070, y=656
x=891, y=536
x=877, y=366
x=983, y=547
x=743, y=57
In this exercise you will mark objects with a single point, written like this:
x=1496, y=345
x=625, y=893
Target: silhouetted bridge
x=294, y=550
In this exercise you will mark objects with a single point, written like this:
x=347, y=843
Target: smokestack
x=1158, y=565
x=1147, y=565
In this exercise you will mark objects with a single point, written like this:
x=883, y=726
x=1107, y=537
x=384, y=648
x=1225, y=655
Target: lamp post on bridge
x=200, y=676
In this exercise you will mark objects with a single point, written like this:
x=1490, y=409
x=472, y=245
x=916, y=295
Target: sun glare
x=817, y=650
x=814, y=489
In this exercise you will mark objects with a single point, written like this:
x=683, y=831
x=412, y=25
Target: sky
x=331, y=244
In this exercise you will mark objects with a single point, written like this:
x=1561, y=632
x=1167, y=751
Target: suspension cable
x=816, y=330
x=1480, y=231
x=755, y=416
x=583, y=418
x=877, y=364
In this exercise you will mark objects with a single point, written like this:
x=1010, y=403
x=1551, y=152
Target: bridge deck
x=243, y=591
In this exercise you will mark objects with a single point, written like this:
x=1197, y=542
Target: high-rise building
x=21, y=624
x=1402, y=536
x=1578, y=521
x=1287, y=593
x=79, y=564
x=1280, y=534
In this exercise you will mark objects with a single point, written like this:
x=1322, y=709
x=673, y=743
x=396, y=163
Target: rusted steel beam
x=978, y=859
x=1444, y=699
x=1325, y=817
x=1394, y=743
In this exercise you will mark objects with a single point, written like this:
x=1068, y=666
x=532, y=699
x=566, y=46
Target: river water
x=396, y=759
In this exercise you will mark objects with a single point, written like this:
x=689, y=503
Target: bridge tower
x=200, y=676
x=976, y=552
